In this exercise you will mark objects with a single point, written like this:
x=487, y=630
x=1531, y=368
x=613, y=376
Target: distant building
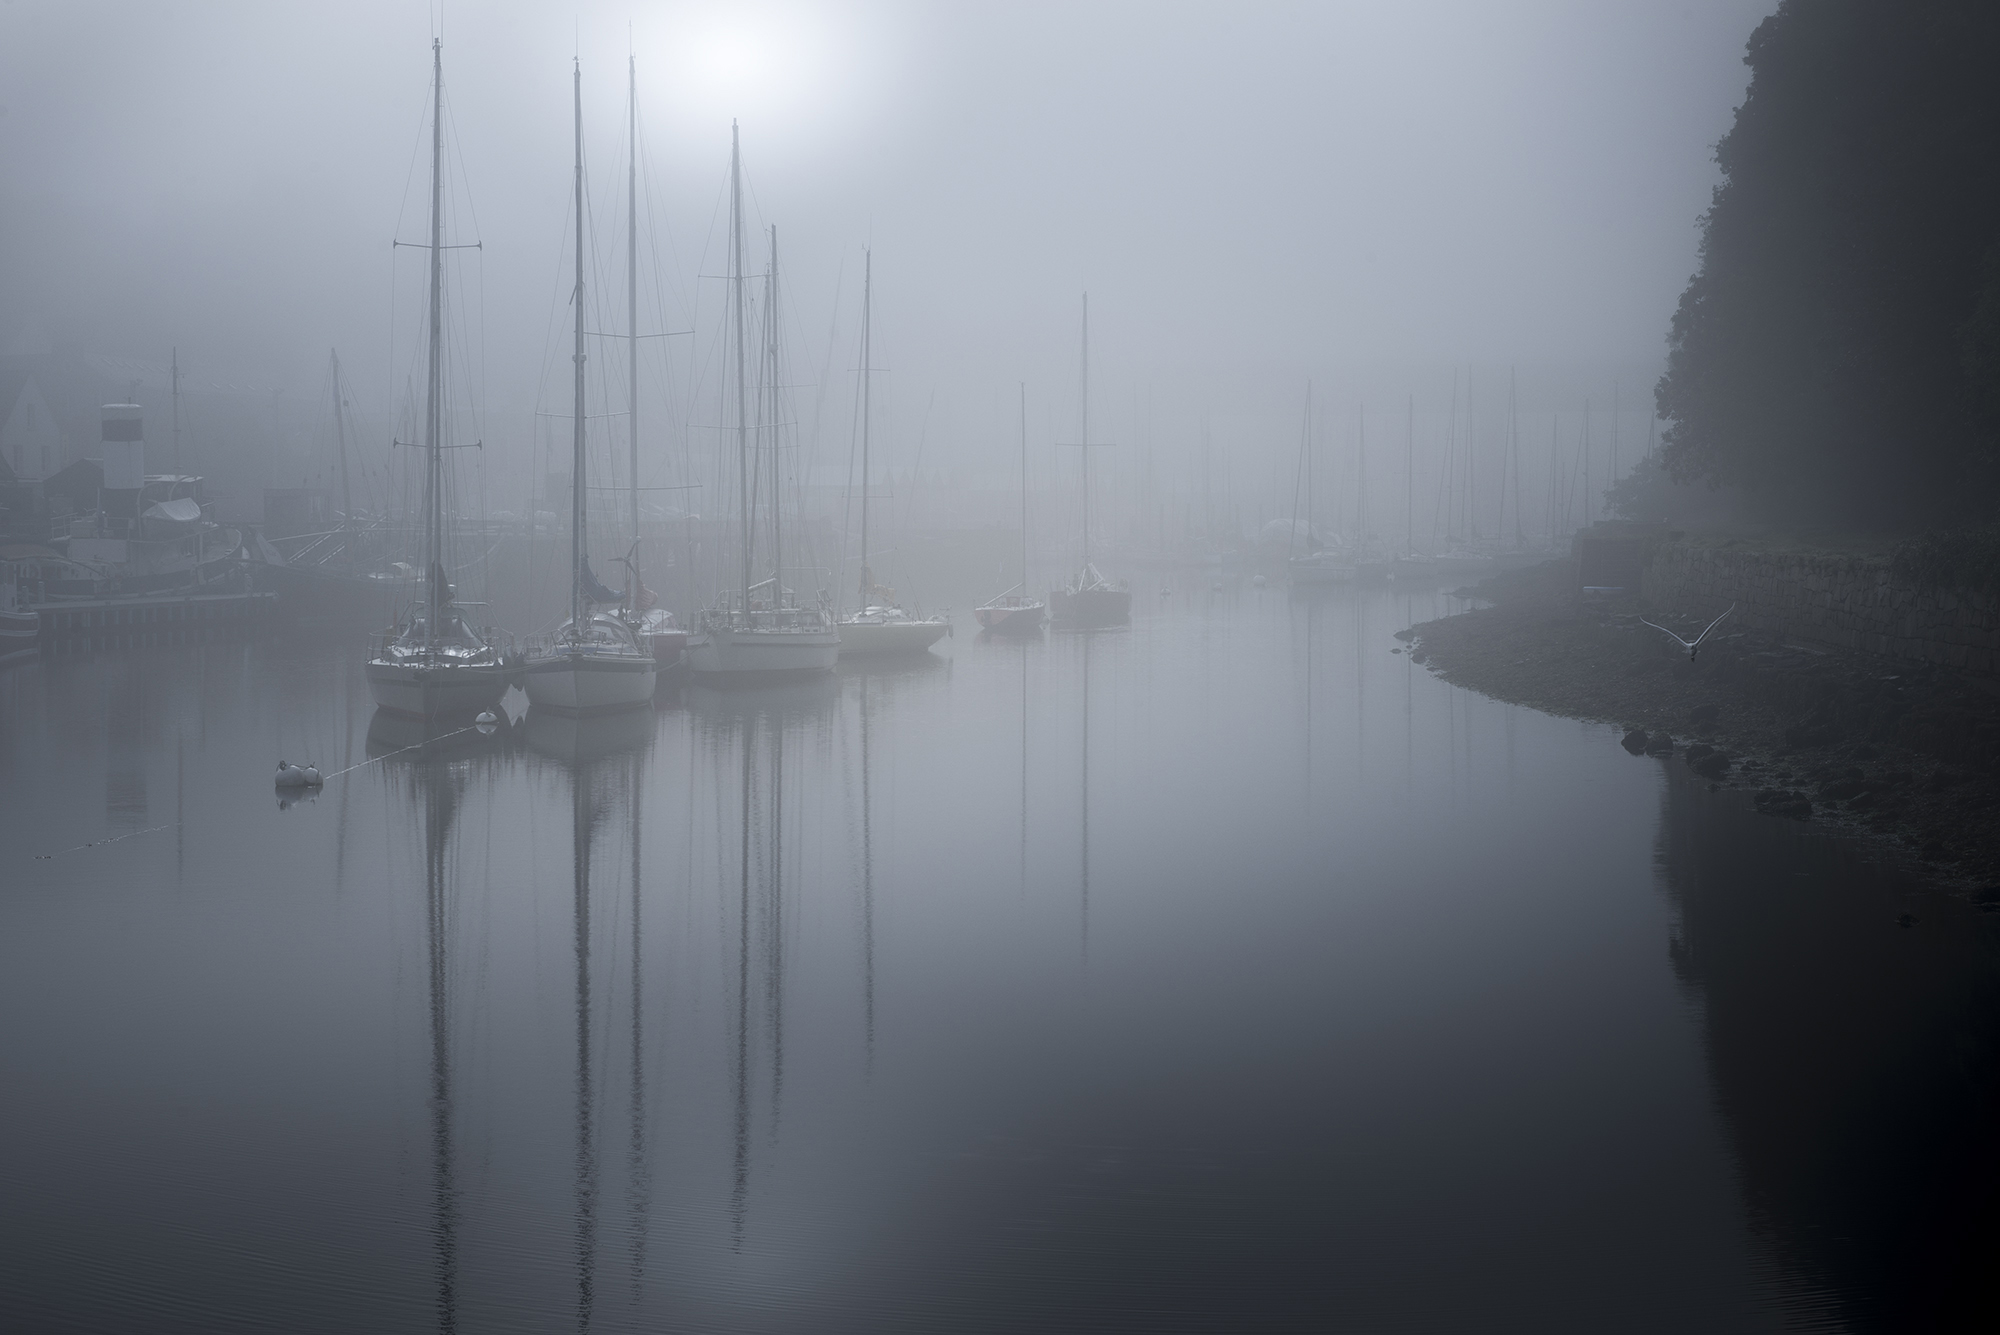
x=31, y=437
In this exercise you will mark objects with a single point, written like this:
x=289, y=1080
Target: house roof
x=72, y=390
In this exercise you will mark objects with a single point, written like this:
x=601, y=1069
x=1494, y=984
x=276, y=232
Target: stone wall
x=1824, y=599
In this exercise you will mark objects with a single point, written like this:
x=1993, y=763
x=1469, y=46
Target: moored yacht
x=654, y=626
x=436, y=662
x=757, y=631
x=433, y=661
x=1089, y=600
x=594, y=661
x=1013, y=612
x=881, y=626
x=771, y=637
x=885, y=628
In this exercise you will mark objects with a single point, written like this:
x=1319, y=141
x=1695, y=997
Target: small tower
x=123, y=440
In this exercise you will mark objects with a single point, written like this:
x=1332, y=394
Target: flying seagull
x=1692, y=646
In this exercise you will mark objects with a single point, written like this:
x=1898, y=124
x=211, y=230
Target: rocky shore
x=1901, y=754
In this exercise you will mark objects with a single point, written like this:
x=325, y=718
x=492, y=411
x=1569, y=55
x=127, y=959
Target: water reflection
x=581, y=739
x=1083, y=692
x=867, y=876
x=637, y=1168
x=1854, y=1061
x=1406, y=1052
x=749, y=730
x=433, y=786
x=583, y=829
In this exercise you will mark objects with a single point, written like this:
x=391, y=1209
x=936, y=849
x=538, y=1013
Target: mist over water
x=1229, y=970
x=1387, y=199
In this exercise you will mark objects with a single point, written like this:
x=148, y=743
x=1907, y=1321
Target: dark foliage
x=1649, y=494
x=1838, y=354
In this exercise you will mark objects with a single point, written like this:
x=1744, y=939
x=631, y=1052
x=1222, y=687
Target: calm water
x=1227, y=972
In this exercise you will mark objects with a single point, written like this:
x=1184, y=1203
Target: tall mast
x=771, y=416
x=736, y=298
x=1083, y=575
x=434, y=385
x=1471, y=436
x=1410, y=479
x=1024, y=491
x=1586, y=464
x=1309, y=467
x=632, y=308
x=1514, y=448
x=577, y=547
x=176, y=382
x=1361, y=473
x=340, y=445
x=1614, y=434
x=1303, y=465
x=867, y=331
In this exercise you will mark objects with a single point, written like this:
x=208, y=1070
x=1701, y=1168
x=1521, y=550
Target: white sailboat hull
x=861, y=639
x=428, y=690
x=769, y=654
x=588, y=683
x=1090, y=607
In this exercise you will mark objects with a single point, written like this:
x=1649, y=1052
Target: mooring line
x=117, y=838
x=399, y=751
x=99, y=843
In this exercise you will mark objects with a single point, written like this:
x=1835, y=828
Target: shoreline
x=1906, y=757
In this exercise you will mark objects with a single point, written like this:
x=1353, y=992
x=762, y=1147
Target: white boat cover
x=180, y=510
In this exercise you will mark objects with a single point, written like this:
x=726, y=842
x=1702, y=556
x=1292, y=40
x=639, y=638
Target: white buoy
x=297, y=776
x=486, y=722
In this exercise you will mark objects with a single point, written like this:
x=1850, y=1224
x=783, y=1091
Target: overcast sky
x=1250, y=193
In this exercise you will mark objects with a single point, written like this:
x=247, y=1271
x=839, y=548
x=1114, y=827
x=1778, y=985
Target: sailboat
x=432, y=661
x=659, y=634
x=1317, y=564
x=1014, y=612
x=1089, y=599
x=756, y=631
x=594, y=661
x=881, y=626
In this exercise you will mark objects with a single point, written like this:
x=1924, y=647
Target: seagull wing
x=1711, y=626
x=1669, y=634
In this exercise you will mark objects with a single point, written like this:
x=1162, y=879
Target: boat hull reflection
x=576, y=739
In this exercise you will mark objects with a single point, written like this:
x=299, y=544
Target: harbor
x=782, y=668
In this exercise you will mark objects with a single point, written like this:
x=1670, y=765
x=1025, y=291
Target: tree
x=1838, y=353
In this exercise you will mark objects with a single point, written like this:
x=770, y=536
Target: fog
x=1304, y=873
x=1381, y=197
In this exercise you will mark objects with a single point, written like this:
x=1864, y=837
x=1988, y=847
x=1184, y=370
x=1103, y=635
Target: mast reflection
x=583, y=822
x=867, y=883
x=588, y=747
x=1085, y=903
x=639, y=1174
x=439, y=765
x=442, y=789
x=740, y=1167
x=751, y=730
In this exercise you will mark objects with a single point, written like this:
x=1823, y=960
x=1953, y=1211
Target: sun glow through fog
x=757, y=68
